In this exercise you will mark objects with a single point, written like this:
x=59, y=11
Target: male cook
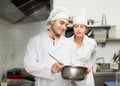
x=38, y=61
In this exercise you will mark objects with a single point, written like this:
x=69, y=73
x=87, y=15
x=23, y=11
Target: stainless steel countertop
x=107, y=72
x=104, y=74
x=19, y=82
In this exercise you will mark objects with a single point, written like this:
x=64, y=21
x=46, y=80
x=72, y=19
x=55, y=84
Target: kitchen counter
x=19, y=82
x=104, y=74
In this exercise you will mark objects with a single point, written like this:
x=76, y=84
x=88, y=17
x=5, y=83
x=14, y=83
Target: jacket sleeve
x=93, y=55
x=32, y=65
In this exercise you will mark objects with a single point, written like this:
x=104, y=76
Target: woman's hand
x=57, y=67
x=88, y=69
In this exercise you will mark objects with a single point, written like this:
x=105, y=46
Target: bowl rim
x=72, y=66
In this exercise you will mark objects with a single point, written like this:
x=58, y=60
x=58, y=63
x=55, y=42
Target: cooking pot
x=90, y=22
x=74, y=72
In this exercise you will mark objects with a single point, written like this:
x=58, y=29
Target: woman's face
x=79, y=30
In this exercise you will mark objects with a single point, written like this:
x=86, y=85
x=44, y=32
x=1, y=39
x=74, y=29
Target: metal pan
x=74, y=72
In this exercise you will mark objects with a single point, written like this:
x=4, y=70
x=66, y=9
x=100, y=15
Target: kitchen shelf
x=113, y=39
x=100, y=32
x=99, y=26
x=94, y=26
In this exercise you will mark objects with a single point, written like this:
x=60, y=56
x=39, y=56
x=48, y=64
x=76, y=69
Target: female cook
x=83, y=50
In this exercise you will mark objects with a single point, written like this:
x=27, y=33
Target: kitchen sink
x=109, y=70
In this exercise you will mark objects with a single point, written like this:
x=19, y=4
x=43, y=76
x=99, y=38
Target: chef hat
x=80, y=17
x=79, y=20
x=58, y=13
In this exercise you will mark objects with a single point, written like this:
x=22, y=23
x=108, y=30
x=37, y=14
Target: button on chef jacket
x=38, y=62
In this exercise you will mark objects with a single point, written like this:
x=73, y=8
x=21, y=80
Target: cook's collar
x=61, y=39
x=52, y=35
x=84, y=39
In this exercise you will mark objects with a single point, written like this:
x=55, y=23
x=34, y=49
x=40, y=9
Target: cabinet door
x=99, y=80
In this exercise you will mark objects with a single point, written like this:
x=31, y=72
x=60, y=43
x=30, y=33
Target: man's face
x=59, y=26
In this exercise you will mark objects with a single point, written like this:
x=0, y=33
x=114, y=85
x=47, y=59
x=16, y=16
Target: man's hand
x=57, y=67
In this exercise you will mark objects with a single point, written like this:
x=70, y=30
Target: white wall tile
x=23, y=32
x=7, y=44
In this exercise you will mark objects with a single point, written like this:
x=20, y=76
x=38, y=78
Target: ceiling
x=24, y=10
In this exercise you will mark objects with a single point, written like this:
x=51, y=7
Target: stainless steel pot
x=74, y=72
x=90, y=22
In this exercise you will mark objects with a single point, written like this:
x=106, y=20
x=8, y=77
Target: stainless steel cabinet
x=102, y=77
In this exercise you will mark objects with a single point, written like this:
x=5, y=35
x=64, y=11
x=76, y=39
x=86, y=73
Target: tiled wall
x=7, y=49
x=13, y=42
x=23, y=32
x=108, y=50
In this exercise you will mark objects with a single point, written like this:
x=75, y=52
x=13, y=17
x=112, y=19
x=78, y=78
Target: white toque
x=58, y=13
x=79, y=20
x=80, y=17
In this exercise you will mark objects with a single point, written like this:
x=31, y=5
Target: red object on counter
x=14, y=76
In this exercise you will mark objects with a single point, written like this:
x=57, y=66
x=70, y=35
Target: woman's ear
x=86, y=30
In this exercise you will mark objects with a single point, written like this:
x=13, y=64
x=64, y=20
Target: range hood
x=24, y=10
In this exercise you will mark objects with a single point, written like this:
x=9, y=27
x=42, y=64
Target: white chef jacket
x=85, y=55
x=38, y=62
